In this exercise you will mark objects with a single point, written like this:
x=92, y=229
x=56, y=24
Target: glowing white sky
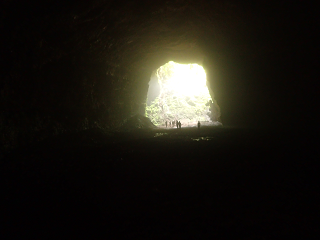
x=188, y=80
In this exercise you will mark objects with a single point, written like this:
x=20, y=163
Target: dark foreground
x=216, y=183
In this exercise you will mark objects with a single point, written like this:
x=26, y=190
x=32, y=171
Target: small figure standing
x=170, y=123
x=179, y=124
x=166, y=124
x=199, y=125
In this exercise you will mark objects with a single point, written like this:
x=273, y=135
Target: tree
x=170, y=105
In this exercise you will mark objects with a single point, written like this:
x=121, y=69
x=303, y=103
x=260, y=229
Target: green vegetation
x=174, y=105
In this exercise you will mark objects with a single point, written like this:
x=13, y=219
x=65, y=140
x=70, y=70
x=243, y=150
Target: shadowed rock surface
x=68, y=66
x=175, y=184
x=137, y=122
x=73, y=72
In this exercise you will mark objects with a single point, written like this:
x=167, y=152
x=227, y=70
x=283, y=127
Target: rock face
x=137, y=122
x=75, y=65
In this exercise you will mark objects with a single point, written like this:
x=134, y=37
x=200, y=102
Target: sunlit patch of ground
x=192, y=124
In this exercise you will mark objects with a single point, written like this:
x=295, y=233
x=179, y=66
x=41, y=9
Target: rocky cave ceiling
x=82, y=64
x=131, y=35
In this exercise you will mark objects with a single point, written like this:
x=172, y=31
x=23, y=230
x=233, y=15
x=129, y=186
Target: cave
x=78, y=151
x=88, y=64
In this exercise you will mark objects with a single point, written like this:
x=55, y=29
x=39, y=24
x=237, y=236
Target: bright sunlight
x=183, y=95
x=186, y=79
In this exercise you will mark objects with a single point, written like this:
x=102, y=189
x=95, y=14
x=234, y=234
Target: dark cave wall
x=76, y=65
x=262, y=72
x=71, y=66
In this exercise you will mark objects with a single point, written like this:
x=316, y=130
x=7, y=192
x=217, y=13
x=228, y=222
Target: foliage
x=170, y=105
x=165, y=72
x=178, y=107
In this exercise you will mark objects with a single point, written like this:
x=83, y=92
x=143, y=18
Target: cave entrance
x=179, y=92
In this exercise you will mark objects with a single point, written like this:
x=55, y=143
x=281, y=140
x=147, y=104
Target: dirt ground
x=185, y=123
x=212, y=183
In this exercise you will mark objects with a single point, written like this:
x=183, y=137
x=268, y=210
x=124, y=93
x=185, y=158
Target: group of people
x=178, y=124
x=174, y=123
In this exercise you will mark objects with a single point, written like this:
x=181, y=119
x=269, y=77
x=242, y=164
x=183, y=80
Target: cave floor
x=165, y=184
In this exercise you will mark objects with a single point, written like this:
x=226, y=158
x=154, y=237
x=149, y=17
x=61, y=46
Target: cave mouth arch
x=180, y=92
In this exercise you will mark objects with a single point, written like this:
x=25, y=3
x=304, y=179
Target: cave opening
x=181, y=92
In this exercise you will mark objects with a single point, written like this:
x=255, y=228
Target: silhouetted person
x=170, y=123
x=199, y=125
x=179, y=123
x=166, y=124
